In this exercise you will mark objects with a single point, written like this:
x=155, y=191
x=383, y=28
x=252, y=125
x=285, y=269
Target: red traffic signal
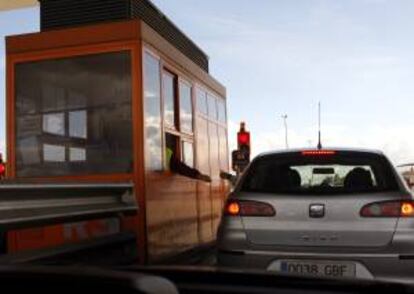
x=243, y=137
x=2, y=170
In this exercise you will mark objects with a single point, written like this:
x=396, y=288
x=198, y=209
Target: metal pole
x=286, y=130
x=319, y=127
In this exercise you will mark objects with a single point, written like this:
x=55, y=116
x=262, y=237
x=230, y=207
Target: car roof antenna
x=319, y=127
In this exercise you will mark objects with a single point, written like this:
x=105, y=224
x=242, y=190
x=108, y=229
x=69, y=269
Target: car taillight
x=248, y=208
x=389, y=209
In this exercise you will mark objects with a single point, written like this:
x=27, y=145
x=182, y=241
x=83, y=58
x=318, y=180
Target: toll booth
x=96, y=96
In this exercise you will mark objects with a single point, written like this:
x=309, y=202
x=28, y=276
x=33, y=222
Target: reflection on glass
x=32, y=152
x=152, y=103
x=53, y=97
x=212, y=107
x=221, y=105
x=214, y=150
x=77, y=124
x=77, y=154
x=201, y=97
x=54, y=123
x=224, y=162
x=188, y=153
x=203, y=152
x=76, y=111
x=169, y=98
x=186, y=108
x=53, y=153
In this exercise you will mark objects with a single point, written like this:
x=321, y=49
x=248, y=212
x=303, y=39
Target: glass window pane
x=53, y=153
x=77, y=154
x=224, y=162
x=221, y=111
x=77, y=124
x=203, y=152
x=186, y=108
x=214, y=150
x=152, y=104
x=212, y=107
x=169, y=99
x=188, y=153
x=32, y=154
x=54, y=123
x=90, y=100
x=201, y=97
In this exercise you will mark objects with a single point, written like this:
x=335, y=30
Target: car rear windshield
x=339, y=172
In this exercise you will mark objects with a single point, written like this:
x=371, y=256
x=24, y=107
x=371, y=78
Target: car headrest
x=282, y=178
x=358, y=178
x=294, y=179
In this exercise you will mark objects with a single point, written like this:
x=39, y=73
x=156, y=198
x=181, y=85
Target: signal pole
x=286, y=130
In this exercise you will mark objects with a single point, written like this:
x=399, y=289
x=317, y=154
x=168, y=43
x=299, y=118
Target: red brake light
x=249, y=208
x=2, y=168
x=318, y=152
x=388, y=209
x=407, y=209
x=233, y=208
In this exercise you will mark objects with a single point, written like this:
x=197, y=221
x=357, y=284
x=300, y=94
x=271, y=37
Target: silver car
x=338, y=213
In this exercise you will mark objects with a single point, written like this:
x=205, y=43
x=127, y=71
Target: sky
x=279, y=57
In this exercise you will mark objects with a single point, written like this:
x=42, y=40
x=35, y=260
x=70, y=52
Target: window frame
x=190, y=86
x=176, y=130
x=148, y=50
x=216, y=121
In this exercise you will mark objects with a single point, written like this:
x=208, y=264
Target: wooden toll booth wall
x=175, y=213
x=118, y=38
x=182, y=213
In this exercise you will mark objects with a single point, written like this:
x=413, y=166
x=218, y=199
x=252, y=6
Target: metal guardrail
x=405, y=165
x=28, y=205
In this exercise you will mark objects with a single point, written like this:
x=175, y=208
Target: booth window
x=73, y=115
x=186, y=108
x=152, y=114
x=201, y=97
x=221, y=107
x=178, y=118
x=188, y=153
x=170, y=101
x=212, y=107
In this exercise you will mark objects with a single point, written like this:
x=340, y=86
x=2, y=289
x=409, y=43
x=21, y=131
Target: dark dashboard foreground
x=176, y=280
x=213, y=280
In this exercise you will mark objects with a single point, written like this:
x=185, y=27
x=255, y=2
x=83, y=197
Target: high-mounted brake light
x=318, y=152
x=388, y=209
x=248, y=208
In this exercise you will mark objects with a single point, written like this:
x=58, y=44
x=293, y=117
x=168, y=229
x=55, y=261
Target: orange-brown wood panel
x=205, y=212
x=216, y=195
x=139, y=160
x=10, y=117
x=172, y=220
x=55, y=235
x=74, y=37
x=217, y=204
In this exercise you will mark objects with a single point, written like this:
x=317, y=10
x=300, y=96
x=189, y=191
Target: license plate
x=331, y=269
